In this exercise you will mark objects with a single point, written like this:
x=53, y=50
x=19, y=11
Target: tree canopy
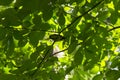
x=59, y=39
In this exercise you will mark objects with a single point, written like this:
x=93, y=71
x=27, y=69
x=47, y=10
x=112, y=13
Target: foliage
x=84, y=32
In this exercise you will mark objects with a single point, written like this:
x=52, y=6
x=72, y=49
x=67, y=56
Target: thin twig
x=81, y=16
x=80, y=43
x=44, y=58
x=59, y=51
x=113, y=28
x=66, y=49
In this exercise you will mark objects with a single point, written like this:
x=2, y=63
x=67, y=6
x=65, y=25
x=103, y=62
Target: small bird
x=56, y=37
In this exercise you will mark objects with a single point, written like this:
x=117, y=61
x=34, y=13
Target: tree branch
x=80, y=43
x=113, y=28
x=65, y=49
x=60, y=51
x=43, y=59
x=81, y=16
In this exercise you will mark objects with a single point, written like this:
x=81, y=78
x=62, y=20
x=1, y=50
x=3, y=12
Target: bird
x=56, y=37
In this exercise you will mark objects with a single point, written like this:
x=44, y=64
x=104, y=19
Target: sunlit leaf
x=86, y=31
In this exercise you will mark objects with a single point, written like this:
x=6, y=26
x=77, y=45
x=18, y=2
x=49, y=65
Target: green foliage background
x=91, y=47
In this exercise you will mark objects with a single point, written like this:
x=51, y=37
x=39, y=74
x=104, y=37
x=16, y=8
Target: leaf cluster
x=86, y=31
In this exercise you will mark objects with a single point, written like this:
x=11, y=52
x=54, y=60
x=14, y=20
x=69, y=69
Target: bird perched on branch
x=56, y=37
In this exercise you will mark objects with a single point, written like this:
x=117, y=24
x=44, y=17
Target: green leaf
x=35, y=37
x=79, y=74
x=22, y=42
x=32, y=5
x=45, y=26
x=30, y=65
x=73, y=45
x=61, y=20
x=116, y=5
x=27, y=65
x=78, y=57
x=10, y=17
x=34, y=56
x=98, y=77
x=26, y=24
x=75, y=11
x=107, y=1
x=10, y=45
x=114, y=17
x=23, y=13
x=41, y=47
x=103, y=15
x=2, y=33
x=18, y=3
x=7, y=76
x=39, y=25
x=18, y=35
x=115, y=62
x=72, y=48
x=37, y=20
x=86, y=33
x=69, y=69
x=5, y=2
x=115, y=75
x=47, y=13
x=89, y=64
x=55, y=76
x=50, y=62
x=61, y=1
